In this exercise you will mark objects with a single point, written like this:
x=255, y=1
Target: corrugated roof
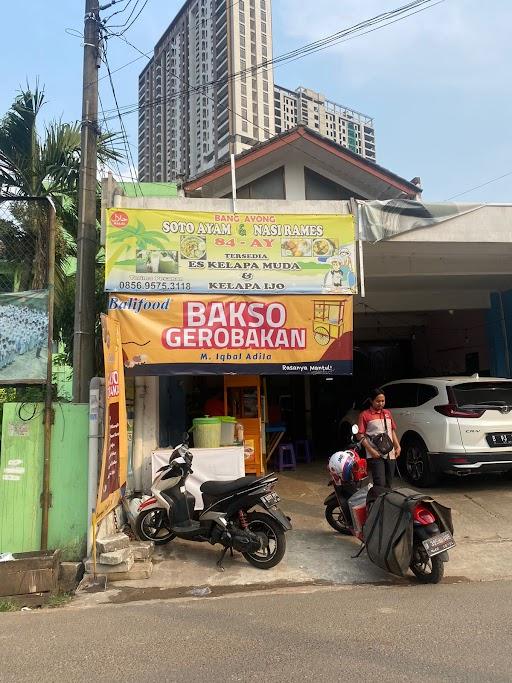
x=150, y=189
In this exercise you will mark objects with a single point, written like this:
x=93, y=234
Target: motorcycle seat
x=219, y=488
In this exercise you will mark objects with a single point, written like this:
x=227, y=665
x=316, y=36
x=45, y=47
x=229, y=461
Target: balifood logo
x=138, y=304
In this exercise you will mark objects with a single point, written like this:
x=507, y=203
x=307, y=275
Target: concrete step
x=115, y=557
x=110, y=543
x=140, y=570
x=109, y=568
x=142, y=550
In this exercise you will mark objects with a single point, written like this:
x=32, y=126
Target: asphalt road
x=457, y=632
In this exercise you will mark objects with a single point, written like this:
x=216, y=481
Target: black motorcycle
x=228, y=516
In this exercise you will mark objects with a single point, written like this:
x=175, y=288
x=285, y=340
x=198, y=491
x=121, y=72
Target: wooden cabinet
x=242, y=399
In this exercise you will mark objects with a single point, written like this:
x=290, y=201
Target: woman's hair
x=376, y=392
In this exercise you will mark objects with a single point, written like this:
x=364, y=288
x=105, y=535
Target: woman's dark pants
x=383, y=471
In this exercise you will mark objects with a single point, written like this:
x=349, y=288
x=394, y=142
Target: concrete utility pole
x=83, y=342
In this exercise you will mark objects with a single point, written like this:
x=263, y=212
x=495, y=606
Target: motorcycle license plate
x=438, y=544
x=270, y=499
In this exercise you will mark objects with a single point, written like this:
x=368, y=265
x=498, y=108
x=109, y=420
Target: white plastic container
x=227, y=432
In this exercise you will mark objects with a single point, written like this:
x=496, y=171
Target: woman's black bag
x=382, y=442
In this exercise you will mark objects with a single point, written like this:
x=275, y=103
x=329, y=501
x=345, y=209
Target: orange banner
x=209, y=334
x=114, y=464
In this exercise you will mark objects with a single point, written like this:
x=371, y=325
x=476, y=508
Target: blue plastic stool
x=286, y=457
x=305, y=456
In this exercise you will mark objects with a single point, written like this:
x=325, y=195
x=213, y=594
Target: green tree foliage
x=42, y=164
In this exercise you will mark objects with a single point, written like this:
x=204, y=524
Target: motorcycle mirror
x=355, y=429
x=186, y=437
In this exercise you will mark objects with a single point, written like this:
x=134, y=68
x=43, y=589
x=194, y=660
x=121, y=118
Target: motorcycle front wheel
x=336, y=519
x=426, y=569
x=273, y=541
x=153, y=525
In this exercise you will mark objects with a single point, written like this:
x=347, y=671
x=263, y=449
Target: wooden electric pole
x=84, y=332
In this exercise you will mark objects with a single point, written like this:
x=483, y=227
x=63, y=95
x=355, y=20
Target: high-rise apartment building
x=201, y=95
x=198, y=94
x=345, y=126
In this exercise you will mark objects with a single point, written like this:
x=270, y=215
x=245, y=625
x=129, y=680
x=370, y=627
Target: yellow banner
x=114, y=463
x=188, y=252
x=235, y=334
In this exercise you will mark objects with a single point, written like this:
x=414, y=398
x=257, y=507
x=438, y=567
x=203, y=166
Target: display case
x=242, y=400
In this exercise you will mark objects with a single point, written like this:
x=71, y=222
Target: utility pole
x=83, y=341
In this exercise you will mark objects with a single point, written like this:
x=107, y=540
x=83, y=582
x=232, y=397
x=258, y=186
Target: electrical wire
x=321, y=44
x=135, y=19
x=243, y=118
x=477, y=187
x=119, y=11
x=112, y=146
x=383, y=19
x=213, y=15
x=123, y=129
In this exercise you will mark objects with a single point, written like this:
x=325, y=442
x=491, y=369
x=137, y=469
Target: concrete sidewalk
x=482, y=515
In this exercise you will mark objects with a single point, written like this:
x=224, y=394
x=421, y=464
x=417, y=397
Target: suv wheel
x=417, y=466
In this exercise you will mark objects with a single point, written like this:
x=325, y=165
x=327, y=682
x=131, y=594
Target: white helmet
x=340, y=466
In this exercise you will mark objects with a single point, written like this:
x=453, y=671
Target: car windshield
x=483, y=393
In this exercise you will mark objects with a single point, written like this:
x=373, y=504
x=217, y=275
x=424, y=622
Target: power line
x=243, y=118
x=123, y=129
x=136, y=17
x=382, y=20
x=477, y=187
x=148, y=55
x=134, y=9
x=112, y=144
x=119, y=11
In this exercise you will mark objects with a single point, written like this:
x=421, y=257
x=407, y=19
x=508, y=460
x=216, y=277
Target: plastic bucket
x=227, y=431
x=207, y=432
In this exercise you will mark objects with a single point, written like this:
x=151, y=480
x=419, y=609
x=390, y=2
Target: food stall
x=243, y=399
x=237, y=305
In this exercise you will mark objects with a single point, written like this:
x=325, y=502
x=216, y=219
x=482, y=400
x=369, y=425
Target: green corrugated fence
x=21, y=470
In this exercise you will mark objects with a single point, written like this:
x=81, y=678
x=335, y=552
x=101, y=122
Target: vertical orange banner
x=114, y=464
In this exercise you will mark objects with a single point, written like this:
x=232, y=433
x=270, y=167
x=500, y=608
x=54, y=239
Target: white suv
x=451, y=424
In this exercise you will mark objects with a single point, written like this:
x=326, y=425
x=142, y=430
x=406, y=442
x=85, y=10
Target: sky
x=436, y=83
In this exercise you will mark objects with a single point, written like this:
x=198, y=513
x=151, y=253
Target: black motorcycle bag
x=388, y=531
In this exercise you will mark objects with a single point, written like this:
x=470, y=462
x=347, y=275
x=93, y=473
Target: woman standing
x=374, y=421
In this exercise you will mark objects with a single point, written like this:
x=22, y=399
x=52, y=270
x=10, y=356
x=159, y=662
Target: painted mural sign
x=187, y=252
x=187, y=334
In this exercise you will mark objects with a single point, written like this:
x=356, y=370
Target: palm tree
x=40, y=166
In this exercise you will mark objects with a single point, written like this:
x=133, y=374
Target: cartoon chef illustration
x=341, y=276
